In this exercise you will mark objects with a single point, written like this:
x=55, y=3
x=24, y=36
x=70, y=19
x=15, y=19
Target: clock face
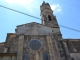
x=35, y=44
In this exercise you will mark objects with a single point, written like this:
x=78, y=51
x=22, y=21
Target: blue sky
x=67, y=13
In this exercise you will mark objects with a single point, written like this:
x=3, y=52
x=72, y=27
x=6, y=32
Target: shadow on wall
x=75, y=56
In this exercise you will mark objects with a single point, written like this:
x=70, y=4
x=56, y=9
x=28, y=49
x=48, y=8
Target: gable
x=33, y=29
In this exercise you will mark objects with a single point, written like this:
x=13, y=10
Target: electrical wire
x=38, y=18
x=19, y=12
x=70, y=28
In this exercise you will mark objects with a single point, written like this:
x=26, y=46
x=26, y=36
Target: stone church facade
x=34, y=41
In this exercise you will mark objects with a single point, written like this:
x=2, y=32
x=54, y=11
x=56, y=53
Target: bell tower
x=48, y=19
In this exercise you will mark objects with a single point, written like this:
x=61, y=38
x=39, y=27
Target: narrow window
x=25, y=56
x=45, y=56
x=49, y=17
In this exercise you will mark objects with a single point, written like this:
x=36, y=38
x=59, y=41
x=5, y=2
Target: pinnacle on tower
x=43, y=2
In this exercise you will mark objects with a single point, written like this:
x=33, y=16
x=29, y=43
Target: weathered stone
x=20, y=47
x=53, y=46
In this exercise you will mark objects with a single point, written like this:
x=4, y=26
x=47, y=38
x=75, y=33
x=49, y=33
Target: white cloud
x=21, y=2
x=56, y=8
x=28, y=4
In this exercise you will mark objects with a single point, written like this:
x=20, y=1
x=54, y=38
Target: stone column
x=12, y=57
x=52, y=49
x=20, y=47
x=67, y=51
x=0, y=57
x=71, y=46
x=37, y=56
x=57, y=50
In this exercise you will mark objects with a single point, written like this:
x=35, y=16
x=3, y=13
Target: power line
x=38, y=18
x=19, y=12
x=69, y=28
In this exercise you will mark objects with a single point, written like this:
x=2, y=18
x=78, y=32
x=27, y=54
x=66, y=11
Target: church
x=35, y=41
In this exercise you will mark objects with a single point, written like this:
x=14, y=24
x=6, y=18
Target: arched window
x=25, y=56
x=45, y=56
x=49, y=17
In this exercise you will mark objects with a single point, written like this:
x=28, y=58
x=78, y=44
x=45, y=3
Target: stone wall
x=73, y=45
x=35, y=54
x=1, y=47
x=7, y=56
x=75, y=56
